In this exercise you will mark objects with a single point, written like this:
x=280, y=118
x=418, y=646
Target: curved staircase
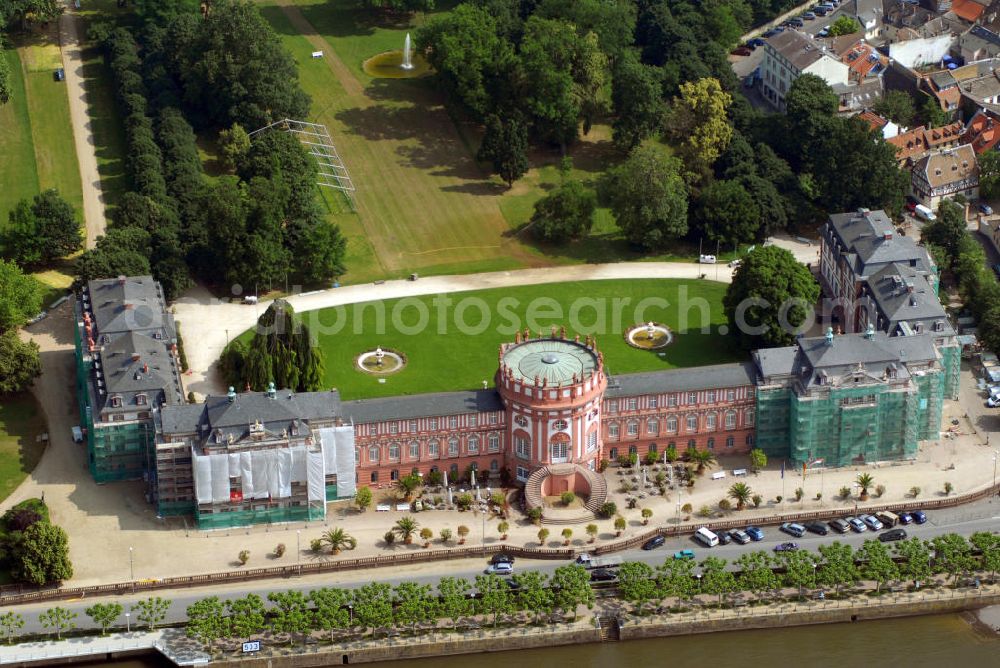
x=597, y=496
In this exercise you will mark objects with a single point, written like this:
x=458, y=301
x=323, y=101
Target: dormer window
x=158, y=335
x=116, y=402
x=141, y=400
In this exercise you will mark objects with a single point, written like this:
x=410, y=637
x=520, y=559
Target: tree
x=11, y=623
x=19, y=363
x=246, y=615
x=207, y=621
x=495, y=597
x=729, y=213
x=989, y=173
x=412, y=603
x=505, y=147
x=770, y=298
x=952, y=555
x=119, y=252
x=646, y=514
x=865, y=481
x=897, y=106
x=234, y=144
x=408, y=484
x=104, y=614
x=373, y=606
x=636, y=98
x=567, y=534
x=550, y=55
x=405, y=528
x=40, y=554
x=20, y=296
x=800, y=569
x=567, y=212
x=41, y=230
x=740, y=492
x=338, y=540
x=363, y=498
x=648, y=197
x=58, y=619
x=330, y=608
x=699, y=124
x=916, y=559
x=844, y=25
x=636, y=583
x=5, y=86
x=571, y=585
x=988, y=545
x=462, y=532
x=716, y=580
x=838, y=568
x=543, y=535
x=534, y=594
x=608, y=509
x=931, y=113
x=674, y=579
x=453, y=598
x=446, y=535
x=758, y=459
x=151, y=611
x=620, y=524
x=877, y=564
x=757, y=573
x=290, y=614
x=503, y=527
x=703, y=458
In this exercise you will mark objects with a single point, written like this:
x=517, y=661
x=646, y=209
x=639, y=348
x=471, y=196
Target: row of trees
x=35, y=550
x=20, y=300
x=282, y=351
x=149, y=613
x=835, y=567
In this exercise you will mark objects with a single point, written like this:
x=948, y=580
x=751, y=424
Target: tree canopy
x=648, y=197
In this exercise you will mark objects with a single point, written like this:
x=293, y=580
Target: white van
x=706, y=537
x=923, y=212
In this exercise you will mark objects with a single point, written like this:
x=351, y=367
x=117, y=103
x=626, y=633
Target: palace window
x=613, y=430
x=692, y=397
x=692, y=422
x=494, y=465
x=730, y=395
x=730, y=419
x=373, y=455
x=750, y=439
x=653, y=402
x=413, y=425
x=394, y=452
x=374, y=476
x=393, y=427
x=613, y=406
x=592, y=441
x=711, y=444
x=672, y=424
x=711, y=397
x=394, y=475
x=433, y=424
x=652, y=426
x=748, y=417
x=730, y=441
x=521, y=421
x=414, y=450
x=692, y=445
x=522, y=447
x=672, y=400
x=452, y=447
x=560, y=425
x=560, y=451
x=452, y=422
x=473, y=421
x=522, y=473
x=434, y=448
x=494, y=418
x=632, y=450
x=652, y=448
x=473, y=445
x=633, y=428
x=493, y=442
x=613, y=453
x=140, y=399
x=711, y=421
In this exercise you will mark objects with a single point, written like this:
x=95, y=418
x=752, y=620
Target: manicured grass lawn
x=18, y=176
x=55, y=283
x=442, y=358
x=21, y=422
x=52, y=134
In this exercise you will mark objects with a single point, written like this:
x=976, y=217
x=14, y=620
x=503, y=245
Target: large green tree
x=549, y=53
x=698, y=123
x=20, y=296
x=897, y=106
x=637, y=101
x=648, y=197
x=505, y=147
x=5, y=85
x=42, y=230
x=40, y=554
x=121, y=251
x=19, y=363
x=772, y=295
x=567, y=212
x=989, y=173
x=728, y=213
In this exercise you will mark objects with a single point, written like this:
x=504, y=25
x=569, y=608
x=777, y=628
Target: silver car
x=857, y=525
x=872, y=522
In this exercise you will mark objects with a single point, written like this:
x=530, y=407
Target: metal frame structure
x=319, y=144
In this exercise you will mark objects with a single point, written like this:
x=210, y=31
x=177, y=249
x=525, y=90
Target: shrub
x=543, y=534
x=244, y=556
x=535, y=515
x=567, y=498
x=948, y=488
x=757, y=499
x=445, y=535
x=279, y=551
x=650, y=458
x=799, y=493
x=845, y=492
x=426, y=533
x=625, y=461
x=316, y=545
x=914, y=492
x=646, y=514
x=602, y=465
x=725, y=506
x=462, y=531
x=778, y=498
x=705, y=511
x=567, y=534
x=686, y=508
x=879, y=490
x=389, y=537
x=819, y=495
x=435, y=478
x=620, y=524
x=608, y=509
x=464, y=501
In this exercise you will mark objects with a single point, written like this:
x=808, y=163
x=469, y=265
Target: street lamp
x=128, y=623
x=996, y=453
x=350, y=611
x=298, y=549
x=131, y=564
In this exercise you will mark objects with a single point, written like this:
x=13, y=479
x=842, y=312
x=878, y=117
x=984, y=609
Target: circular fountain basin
x=389, y=65
x=391, y=362
x=649, y=336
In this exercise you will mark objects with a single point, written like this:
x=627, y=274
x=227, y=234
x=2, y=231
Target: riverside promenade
x=171, y=643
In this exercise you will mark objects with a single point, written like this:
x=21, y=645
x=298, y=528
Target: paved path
x=170, y=642
x=71, y=38
x=212, y=323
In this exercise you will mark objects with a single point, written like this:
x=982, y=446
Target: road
x=71, y=31
x=982, y=516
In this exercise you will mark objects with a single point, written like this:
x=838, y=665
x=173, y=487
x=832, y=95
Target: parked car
x=724, y=537
x=654, y=542
x=808, y=16
x=793, y=529
x=503, y=568
x=755, y=42
x=918, y=516
x=602, y=575
x=706, y=259
x=857, y=525
x=684, y=554
x=872, y=522
x=771, y=33
x=786, y=547
x=819, y=11
x=740, y=536
x=840, y=525
x=905, y=518
x=892, y=534
x=986, y=208
x=824, y=32
x=796, y=22
x=819, y=528
x=501, y=558
x=59, y=74
x=755, y=533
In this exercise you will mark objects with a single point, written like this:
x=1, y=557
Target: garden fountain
x=404, y=64
x=407, y=62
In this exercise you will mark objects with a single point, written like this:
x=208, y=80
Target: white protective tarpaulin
x=284, y=462
x=262, y=474
x=246, y=474
x=261, y=477
x=220, y=478
x=316, y=472
x=202, y=477
x=346, y=476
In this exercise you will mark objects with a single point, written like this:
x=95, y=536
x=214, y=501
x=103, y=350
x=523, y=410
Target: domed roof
x=554, y=361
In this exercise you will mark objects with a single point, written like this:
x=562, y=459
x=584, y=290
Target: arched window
x=652, y=448
x=592, y=440
x=632, y=450
x=748, y=418
x=453, y=447
x=435, y=469
x=472, y=445
x=711, y=444
x=613, y=430
x=730, y=419
x=632, y=428
x=559, y=451
x=692, y=422
x=434, y=448
x=750, y=439
x=652, y=426
x=522, y=445
x=453, y=471
x=374, y=476
x=672, y=424
x=373, y=454
x=394, y=452
x=394, y=475
x=711, y=421
x=414, y=450
x=692, y=445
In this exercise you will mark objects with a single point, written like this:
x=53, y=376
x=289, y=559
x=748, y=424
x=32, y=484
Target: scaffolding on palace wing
x=318, y=143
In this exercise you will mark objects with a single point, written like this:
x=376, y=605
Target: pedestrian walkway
x=171, y=643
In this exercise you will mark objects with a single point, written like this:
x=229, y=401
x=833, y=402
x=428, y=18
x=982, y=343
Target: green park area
x=21, y=423
x=443, y=354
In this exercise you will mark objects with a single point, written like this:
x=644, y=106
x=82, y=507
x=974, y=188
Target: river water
x=911, y=642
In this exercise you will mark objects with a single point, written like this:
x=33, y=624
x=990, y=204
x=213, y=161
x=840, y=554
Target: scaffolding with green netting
x=238, y=518
x=773, y=407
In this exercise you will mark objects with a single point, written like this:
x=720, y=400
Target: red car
x=911, y=206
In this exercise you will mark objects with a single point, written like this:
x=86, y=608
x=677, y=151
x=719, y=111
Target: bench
x=739, y=472
x=402, y=506
x=719, y=475
x=383, y=508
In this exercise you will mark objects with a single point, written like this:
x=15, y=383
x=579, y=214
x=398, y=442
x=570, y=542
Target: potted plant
x=503, y=528
x=426, y=534
x=463, y=531
x=592, y=532
x=646, y=514
x=543, y=534
x=567, y=533
x=620, y=525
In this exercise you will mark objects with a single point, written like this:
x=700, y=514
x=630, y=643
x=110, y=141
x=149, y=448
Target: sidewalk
x=169, y=642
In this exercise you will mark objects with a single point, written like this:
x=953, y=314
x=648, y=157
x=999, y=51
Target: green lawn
x=18, y=176
x=442, y=358
x=20, y=424
x=52, y=135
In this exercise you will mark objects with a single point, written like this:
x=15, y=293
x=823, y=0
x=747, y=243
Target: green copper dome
x=554, y=361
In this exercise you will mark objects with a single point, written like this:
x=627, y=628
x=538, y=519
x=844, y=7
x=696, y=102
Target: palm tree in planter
x=619, y=525
x=503, y=528
x=445, y=535
x=592, y=532
x=338, y=540
x=741, y=493
x=407, y=485
x=865, y=480
x=426, y=534
x=567, y=533
x=463, y=531
x=646, y=514
x=703, y=458
x=543, y=534
x=405, y=528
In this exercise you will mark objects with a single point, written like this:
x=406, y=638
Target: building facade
x=944, y=174
x=789, y=55
x=278, y=456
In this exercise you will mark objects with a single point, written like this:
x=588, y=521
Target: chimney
x=135, y=357
x=145, y=368
x=121, y=280
x=887, y=235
